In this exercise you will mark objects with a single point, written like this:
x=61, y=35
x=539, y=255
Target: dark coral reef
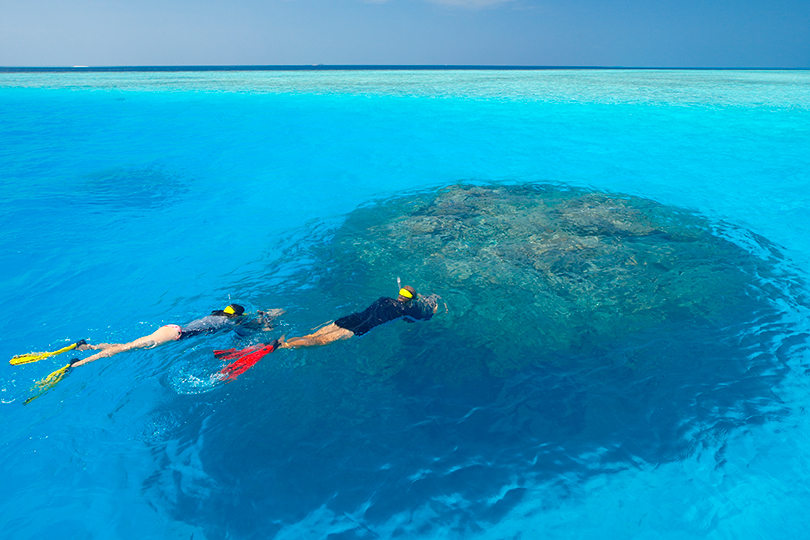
x=539, y=272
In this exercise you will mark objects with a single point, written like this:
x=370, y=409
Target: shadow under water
x=130, y=189
x=585, y=333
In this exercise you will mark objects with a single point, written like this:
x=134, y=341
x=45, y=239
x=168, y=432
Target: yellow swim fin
x=37, y=356
x=50, y=381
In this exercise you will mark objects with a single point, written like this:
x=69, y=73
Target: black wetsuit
x=205, y=325
x=214, y=323
x=385, y=310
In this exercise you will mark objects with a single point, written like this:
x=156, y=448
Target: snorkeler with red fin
x=408, y=305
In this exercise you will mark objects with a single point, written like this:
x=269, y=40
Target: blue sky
x=639, y=33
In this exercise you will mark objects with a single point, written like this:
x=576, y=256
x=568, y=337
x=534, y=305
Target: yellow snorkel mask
x=232, y=310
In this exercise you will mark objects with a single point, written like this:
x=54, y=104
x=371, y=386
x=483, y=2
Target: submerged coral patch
x=530, y=273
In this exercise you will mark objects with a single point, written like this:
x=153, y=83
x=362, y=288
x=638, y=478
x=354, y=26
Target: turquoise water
x=131, y=200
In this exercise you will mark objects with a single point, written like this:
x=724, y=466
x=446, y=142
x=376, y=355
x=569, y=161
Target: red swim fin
x=245, y=358
x=231, y=354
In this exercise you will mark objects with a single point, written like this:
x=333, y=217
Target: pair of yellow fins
x=50, y=381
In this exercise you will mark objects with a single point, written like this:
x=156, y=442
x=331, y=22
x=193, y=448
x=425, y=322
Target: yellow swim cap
x=406, y=293
x=229, y=310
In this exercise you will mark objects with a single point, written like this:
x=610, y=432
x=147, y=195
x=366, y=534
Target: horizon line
x=362, y=67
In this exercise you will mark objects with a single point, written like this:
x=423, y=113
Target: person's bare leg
x=324, y=336
x=158, y=337
x=96, y=346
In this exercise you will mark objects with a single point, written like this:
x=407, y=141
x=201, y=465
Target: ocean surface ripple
x=623, y=256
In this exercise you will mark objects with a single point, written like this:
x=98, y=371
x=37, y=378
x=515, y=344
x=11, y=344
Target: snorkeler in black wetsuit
x=406, y=306
x=232, y=317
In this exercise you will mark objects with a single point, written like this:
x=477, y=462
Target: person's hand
x=266, y=318
x=432, y=300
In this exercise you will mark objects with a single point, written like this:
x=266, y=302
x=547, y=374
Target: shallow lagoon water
x=134, y=200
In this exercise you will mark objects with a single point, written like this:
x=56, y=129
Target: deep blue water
x=132, y=200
